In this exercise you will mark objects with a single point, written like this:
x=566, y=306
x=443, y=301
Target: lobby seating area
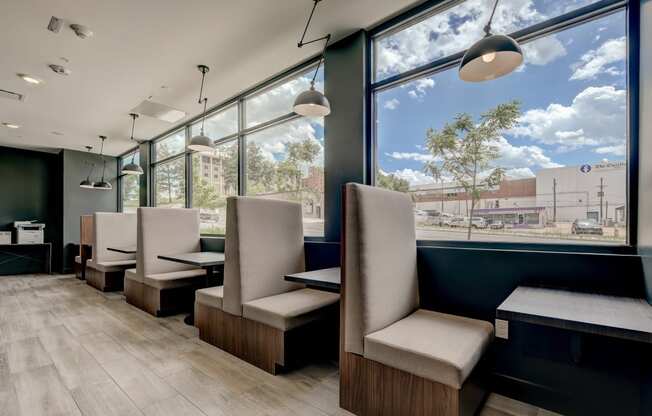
x=326, y=208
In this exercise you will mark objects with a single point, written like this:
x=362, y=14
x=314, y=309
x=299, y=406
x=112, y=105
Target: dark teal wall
x=30, y=190
x=79, y=201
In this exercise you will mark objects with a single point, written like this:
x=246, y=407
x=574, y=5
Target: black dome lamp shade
x=87, y=183
x=132, y=168
x=201, y=142
x=491, y=57
x=103, y=184
x=313, y=103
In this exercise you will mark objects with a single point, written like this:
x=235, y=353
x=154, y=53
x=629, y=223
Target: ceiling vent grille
x=9, y=95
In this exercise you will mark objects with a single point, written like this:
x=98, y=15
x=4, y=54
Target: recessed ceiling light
x=57, y=133
x=11, y=125
x=60, y=69
x=30, y=79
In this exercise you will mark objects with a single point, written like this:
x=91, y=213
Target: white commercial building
x=597, y=191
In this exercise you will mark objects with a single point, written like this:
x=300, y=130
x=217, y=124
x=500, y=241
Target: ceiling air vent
x=159, y=111
x=9, y=95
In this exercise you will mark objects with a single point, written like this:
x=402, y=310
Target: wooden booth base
x=268, y=348
x=369, y=388
x=160, y=302
x=105, y=281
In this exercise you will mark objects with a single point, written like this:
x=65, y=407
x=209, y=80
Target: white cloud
x=598, y=61
x=595, y=117
x=392, y=104
x=417, y=157
x=617, y=150
x=543, y=51
x=519, y=173
x=273, y=141
x=518, y=157
x=414, y=177
x=418, y=88
x=451, y=31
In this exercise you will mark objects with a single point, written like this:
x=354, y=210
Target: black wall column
x=344, y=153
x=145, y=179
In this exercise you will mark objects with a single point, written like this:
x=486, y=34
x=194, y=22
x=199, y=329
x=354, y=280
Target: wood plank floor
x=67, y=349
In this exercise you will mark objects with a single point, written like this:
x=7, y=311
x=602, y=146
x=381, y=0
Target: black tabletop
x=124, y=250
x=323, y=278
x=614, y=316
x=199, y=259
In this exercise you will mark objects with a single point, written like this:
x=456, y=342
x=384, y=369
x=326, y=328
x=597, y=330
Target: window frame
x=548, y=27
x=239, y=101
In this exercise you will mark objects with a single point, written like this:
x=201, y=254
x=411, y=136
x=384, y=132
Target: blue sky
x=571, y=88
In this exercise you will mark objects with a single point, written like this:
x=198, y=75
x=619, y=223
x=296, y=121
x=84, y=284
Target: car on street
x=477, y=222
x=586, y=226
x=497, y=225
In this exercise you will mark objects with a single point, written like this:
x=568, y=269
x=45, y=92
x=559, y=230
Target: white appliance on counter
x=28, y=232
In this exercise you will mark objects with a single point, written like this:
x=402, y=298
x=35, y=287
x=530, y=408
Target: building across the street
x=554, y=195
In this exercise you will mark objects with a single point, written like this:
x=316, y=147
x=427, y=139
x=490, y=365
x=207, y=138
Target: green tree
x=392, y=182
x=465, y=150
x=290, y=171
x=260, y=170
x=204, y=194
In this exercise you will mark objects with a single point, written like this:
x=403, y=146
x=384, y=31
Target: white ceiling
x=140, y=46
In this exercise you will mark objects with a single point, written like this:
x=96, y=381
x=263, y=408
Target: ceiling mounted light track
x=201, y=142
x=132, y=168
x=491, y=57
x=312, y=103
x=102, y=184
x=87, y=183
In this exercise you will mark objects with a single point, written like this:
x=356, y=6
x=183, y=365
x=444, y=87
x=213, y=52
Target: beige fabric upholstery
x=210, y=296
x=264, y=242
x=132, y=274
x=437, y=346
x=166, y=231
x=111, y=266
x=113, y=229
x=290, y=309
x=381, y=261
x=173, y=279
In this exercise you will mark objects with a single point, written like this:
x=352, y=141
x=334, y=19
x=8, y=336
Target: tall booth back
x=264, y=242
x=166, y=231
x=380, y=261
x=111, y=229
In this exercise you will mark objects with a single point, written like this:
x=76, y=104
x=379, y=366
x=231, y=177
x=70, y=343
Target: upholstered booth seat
x=173, y=279
x=290, y=309
x=111, y=266
x=210, y=296
x=437, y=346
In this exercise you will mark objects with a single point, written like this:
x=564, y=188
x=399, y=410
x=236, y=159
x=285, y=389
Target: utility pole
x=601, y=196
x=554, y=200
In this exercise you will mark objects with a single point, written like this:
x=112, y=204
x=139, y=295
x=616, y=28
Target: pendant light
x=312, y=103
x=102, y=184
x=491, y=57
x=132, y=168
x=87, y=183
x=201, y=142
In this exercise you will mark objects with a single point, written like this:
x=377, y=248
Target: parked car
x=586, y=226
x=497, y=225
x=443, y=219
x=477, y=222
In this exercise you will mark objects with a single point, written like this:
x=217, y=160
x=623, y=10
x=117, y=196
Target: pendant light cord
x=203, y=69
x=301, y=43
x=134, y=116
x=102, y=156
x=487, y=28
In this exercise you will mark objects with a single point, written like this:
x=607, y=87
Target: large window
x=129, y=184
x=169, y=171
x=284, y=156
x=538, y=156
